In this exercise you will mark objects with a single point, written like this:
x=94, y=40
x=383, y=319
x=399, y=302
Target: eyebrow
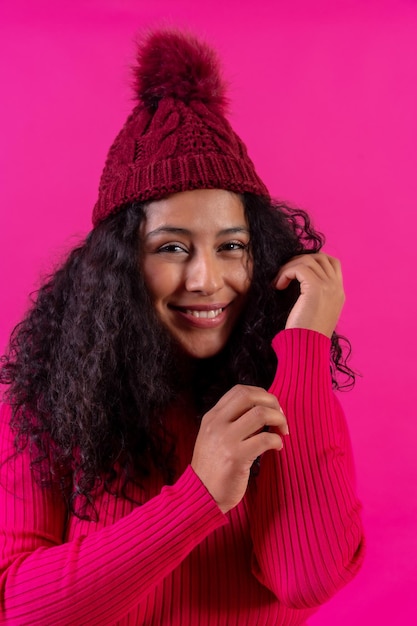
x=174, y=230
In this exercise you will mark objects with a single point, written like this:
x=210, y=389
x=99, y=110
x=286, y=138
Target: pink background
x=325, y=95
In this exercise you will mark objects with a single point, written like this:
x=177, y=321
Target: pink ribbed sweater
x=293, y=541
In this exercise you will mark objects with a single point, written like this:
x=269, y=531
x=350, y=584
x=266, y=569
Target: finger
x=308, y=267
x=332, y=270
x=318, y=262
x=255, y=446
x=329, y=265
x=258, y=419
x=240, y=399
x=305, y=273
x=336, y=266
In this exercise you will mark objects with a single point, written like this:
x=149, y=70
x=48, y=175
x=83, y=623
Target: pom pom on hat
x=178, y=65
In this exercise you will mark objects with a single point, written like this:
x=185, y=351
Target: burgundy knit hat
x=176, y=138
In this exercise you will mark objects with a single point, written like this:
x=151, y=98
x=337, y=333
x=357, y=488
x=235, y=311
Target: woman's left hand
x=321, y=298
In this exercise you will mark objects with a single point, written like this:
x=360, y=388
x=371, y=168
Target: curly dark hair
x=91, y=370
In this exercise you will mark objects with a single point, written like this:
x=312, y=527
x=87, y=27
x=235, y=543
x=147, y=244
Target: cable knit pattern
x=179, y=148
x=176, y=560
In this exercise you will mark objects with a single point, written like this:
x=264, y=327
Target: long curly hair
x=91, y=370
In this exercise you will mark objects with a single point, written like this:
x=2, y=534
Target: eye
x=172, y=248
x=233, y=246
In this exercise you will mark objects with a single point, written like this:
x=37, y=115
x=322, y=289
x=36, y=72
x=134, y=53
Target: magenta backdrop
x=324, y=93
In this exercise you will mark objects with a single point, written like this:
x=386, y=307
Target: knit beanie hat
x=177, y=137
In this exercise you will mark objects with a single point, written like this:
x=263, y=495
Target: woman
x=147, y=475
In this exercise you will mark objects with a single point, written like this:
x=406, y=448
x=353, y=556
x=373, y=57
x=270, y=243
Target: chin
x=201, y=352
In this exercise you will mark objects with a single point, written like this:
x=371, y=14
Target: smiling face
x=197, y=266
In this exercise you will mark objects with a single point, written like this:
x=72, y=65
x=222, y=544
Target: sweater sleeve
x=95, y=579
x=305, y=518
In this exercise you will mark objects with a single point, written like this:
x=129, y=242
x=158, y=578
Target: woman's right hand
x=231, y=436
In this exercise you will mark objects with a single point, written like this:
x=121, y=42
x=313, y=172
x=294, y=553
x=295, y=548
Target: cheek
x=160, y=281
x=245, y=276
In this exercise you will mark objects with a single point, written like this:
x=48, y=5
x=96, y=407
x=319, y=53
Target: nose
x=204, y=273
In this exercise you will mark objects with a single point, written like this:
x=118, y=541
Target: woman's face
x=197, y=266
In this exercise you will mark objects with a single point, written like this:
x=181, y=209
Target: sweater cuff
x=301, y=354
x=193, y=499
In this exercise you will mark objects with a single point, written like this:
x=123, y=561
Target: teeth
x=205, y=314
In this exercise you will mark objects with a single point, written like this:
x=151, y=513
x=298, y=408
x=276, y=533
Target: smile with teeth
x=204, y=314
